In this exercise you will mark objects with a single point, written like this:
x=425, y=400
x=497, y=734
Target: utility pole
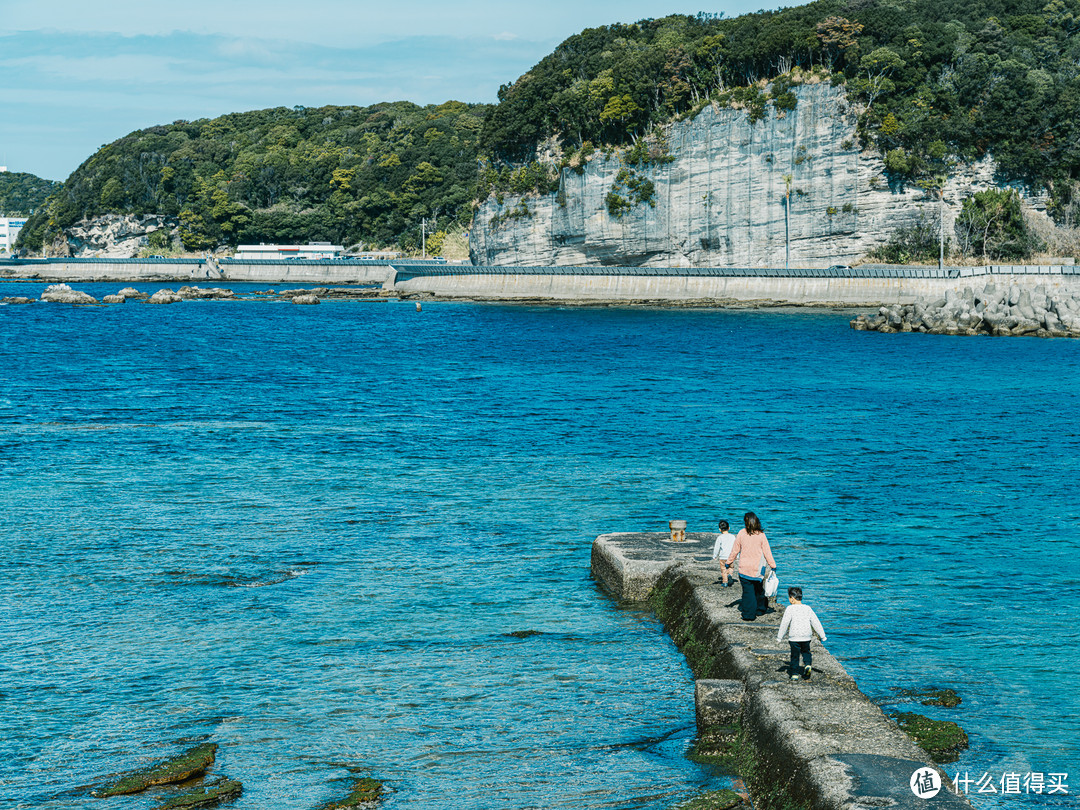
x=941, y=225
x=423, y=238
x=787, y=221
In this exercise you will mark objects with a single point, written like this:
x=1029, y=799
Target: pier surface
x=823, y=741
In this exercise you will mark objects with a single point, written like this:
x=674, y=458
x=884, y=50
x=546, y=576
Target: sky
x=76, y=75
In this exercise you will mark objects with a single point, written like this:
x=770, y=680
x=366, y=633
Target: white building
x=316, y=250
x=9, y=230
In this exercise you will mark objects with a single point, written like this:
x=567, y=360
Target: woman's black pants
x=754, y=602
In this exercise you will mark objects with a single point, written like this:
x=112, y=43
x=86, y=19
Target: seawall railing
x=409, y=270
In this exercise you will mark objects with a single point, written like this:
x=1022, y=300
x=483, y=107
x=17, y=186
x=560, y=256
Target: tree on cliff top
x=979, y=76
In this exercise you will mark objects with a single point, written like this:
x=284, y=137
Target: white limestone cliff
x=112, y=236
x=720, y=202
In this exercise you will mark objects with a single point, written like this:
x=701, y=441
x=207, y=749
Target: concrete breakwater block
x=718, y=702
x=822, y=743
x=628, y=564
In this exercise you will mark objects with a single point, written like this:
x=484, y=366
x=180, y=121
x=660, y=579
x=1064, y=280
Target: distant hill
x=933, y=83
x=339, y=174
x=21, y=193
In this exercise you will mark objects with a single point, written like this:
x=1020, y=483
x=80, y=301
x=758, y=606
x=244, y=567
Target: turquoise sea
x=306, y=533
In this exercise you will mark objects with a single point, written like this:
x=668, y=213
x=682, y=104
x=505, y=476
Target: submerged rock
x=725, y=799
x=63, y=294
x=191, y=763
x=365, y=793
x=18, y=299
x=941, y=739
x=208, y=796
x=935, y=697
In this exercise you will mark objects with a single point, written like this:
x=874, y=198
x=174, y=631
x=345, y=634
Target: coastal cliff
x=719, y=197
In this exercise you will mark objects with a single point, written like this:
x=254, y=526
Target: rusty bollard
x=678, y=531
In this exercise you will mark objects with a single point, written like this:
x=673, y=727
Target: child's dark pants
x=796, y=648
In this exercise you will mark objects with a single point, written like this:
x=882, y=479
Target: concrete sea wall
x=822, y=742
x=798, y=286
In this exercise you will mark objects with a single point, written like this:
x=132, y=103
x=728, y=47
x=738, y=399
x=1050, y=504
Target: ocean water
x=307, y=533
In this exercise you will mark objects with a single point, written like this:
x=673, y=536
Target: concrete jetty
x=822, y=743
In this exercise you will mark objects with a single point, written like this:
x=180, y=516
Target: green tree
x=991, y=225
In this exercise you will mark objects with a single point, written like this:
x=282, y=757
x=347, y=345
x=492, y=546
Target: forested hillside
x=934, y=82
x=340, y=174
x=21, y=193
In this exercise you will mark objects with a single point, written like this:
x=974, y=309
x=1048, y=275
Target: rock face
x=113, y=236
x=999, y=311
x=165, y=296
x=201, y=293
x=721, y=200
x=63, y=294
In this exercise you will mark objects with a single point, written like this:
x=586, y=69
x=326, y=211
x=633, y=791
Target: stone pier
x=822, y=742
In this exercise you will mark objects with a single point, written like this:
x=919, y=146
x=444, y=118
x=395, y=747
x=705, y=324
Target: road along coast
x=822, y=743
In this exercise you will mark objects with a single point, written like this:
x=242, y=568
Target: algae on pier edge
x=192, y=762
x=673, y=610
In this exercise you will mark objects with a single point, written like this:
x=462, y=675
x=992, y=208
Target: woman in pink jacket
x=752, y=549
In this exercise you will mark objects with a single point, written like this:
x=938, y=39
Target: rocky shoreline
x=1011, y=311
x=64, y=294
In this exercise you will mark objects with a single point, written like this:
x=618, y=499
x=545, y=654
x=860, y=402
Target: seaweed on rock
x=191, y=763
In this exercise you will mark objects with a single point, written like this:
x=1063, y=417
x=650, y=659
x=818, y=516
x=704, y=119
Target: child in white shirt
x=803, y=623
x=722, y=548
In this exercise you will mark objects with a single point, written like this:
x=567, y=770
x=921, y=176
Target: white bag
x=772, y=584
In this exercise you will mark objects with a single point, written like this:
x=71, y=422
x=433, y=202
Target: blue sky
x=77, y=75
